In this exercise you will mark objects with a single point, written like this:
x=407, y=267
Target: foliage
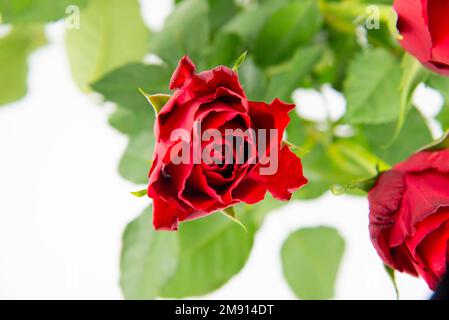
x=290, y=44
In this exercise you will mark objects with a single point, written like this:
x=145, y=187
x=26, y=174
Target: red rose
x=193, y=176
x=424, y=27
x=409, y=215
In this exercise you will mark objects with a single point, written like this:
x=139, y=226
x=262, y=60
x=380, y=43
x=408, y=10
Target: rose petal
x=432, y=252
x=412, y=25
x=289, y=176
x=437, y=160
x=439, y=29
x=183, y=73
x=166, y=215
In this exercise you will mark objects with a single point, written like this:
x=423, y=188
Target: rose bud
x=409, y=215
x=424, y=29
x=214, y=148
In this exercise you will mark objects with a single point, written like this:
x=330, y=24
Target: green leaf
x=441, y=84
x=148, y=258
x=414, y=135
x=213, y=249
x=136, y=161
x=121, y=86
x=220, y=12
x=239, y=61
x=174, y=264
x=157, y=101
x=133, y=115
x=186, y=32
x=372, y=88
x=111, y=34
x=292, y=25
x=288, y=77
x=131, y=122
x=413, y=74
x=14, y=50
x=253, y=80
x=392, y=276
x=248, y=23
x=311, y=259
x=225, y=47
x=36, y=11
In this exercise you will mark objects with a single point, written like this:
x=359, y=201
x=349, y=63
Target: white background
x=63, y=206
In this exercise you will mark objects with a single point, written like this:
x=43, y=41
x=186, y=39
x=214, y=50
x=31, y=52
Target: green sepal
x=392, y=275
x=230, y=213
x=157, y=101
x=239, y=61
x=364, y=185
x=140, y=193
x=442, y=143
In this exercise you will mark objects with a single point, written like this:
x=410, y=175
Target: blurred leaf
x=136, y=161
x=213, y=249
x=441, y=84
x=14, y=50
x=122, y=85
x=413, y=73
x=253, y=80
x=225, y=49
x=111, y=34
x=290, y=75
x=220, y=12
x=311, y=259
x=186, y=32
x=247, y=23
x=286, y=29
x=36, y=11
x=413, y=136
x=372, y=88
x=134, y=115
x=148, y=258
x=333, y=67
x=199, y=258
x=327, y=160
x=131, y=122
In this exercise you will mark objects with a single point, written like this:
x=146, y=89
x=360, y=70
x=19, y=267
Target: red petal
x=183, y=72
x=384, y=200
x=433, y=252
x=412, y=25
x=166, y=215
x=289, y=176
x=250, y=190
x=439, y=29
x=437, y=160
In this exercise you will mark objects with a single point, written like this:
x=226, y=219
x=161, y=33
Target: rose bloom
x=214, y=99
x=424, y=27
x=409, y=215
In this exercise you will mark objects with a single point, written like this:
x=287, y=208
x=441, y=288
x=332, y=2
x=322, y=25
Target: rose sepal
x=157, y=101
x=230, y=213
